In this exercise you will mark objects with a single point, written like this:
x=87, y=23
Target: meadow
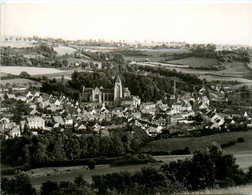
x=16, y=70
x=194, y=143
x=155, y=55
x=62, y=50
x=196, y=62
x=41, y=175
x=18, y=81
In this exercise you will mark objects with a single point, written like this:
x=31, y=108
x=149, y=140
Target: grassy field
x=154, y=55
x=195, y=62
x=17, y=44
x=41, y=175
x=194, y=143
x=237, y=190
x=62, y=50
x=235, y=71
x=16, y=70
x=18, y=81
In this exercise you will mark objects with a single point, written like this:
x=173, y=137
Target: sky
x=227, y=22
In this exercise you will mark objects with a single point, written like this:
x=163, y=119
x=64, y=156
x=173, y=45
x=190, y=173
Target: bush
x=240, y=139
x=181, y=152
x=133, y=160
x=231, y=143
x=91, y=164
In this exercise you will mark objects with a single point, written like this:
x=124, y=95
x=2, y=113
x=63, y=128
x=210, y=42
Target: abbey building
x=119, y=96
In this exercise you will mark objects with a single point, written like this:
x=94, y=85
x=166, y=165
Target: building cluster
x=101, y=110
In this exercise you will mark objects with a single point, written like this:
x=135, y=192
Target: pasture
x=62, y=50
x=16, y=44
x=155, y=55
x=194, y=143
x=16, y=70
x=18, y=82
x=41, y=175
x=195, y=62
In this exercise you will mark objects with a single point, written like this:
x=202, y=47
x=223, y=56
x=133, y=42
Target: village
x=101, y=110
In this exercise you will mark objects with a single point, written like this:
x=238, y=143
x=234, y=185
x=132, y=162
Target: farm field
x=16, y=44
x=194, y=143
x=243, y=160
x=195, y=62
x=154, y=55
x=41, y=175
x=18, y=81
x=235, y=71
x=16, y=70
x=62, y=50
x=58, y=174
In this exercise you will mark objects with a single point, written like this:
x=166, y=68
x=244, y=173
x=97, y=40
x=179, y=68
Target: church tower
x=118, y=91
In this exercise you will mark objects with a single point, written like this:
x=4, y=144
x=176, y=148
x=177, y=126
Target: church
x=119, y=96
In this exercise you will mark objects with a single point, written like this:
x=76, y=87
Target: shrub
x=231, y=143
x=240, y=139
x=91, y=164
x=181, y=152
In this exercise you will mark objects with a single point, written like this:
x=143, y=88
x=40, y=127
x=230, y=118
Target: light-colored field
x=195, y=62
x=236, y=190
x=16, y=70
x=17, y=44
x=62, y=50
x=194, y=143
x=33, y=56
x=17, y=81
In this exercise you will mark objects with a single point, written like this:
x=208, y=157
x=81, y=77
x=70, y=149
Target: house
x=28, y=95
x=10, y=96
x=59, y=120
x=15, y=132
x=4, y=124
x=35, y=123
x=147, y=106
x=176, y=118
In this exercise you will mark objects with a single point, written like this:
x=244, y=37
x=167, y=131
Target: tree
x=20, y=184
x=24, y=74
x=49, y=187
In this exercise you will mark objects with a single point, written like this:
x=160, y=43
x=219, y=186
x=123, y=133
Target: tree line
x=57, y=146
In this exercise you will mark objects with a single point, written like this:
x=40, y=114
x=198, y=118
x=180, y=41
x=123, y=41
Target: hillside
x=194, y=143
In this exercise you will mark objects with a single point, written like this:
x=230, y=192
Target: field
x=62, y=50
x=234, y=71
x=167, y=145
x=58, y=174
x=18, y=81
x=16, y=70
x=17, y=44
x=154, y=55
x=195, y=62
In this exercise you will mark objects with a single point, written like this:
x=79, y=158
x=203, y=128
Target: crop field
x=62, y=50
x=195, y=62
x=154, y=55
x=194, y=143
x=18, y=81
x=235, y=71
x=33, y=56
x=16, y=70
x=16, y=44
